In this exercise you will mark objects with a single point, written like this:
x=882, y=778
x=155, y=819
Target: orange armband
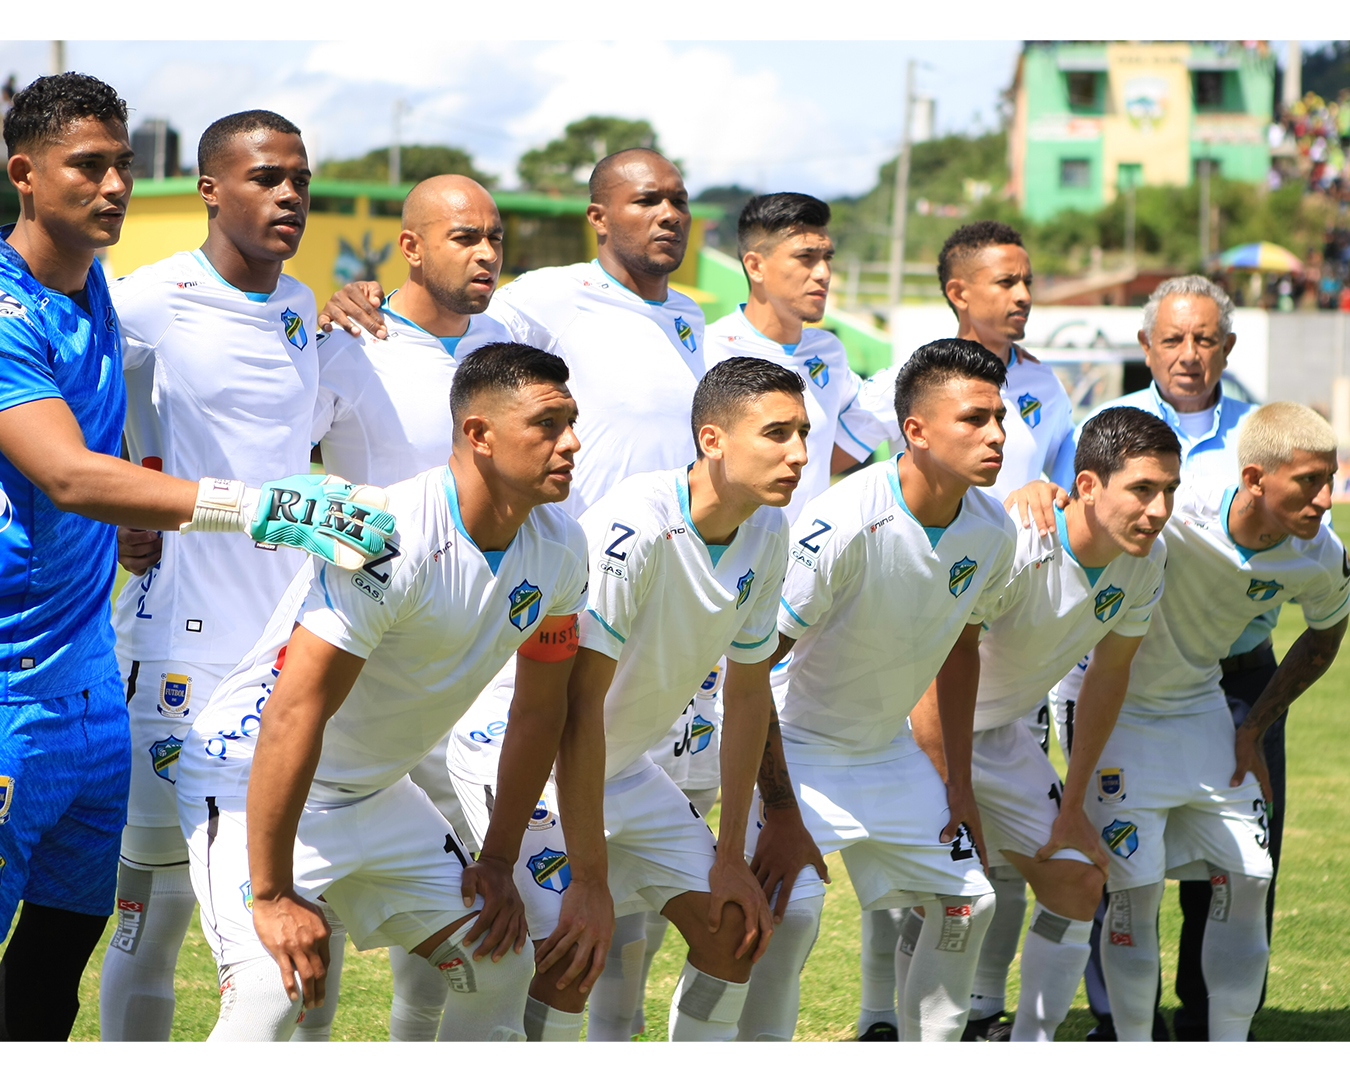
x=555, y=640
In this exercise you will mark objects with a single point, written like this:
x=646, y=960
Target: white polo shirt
x=434, y=618
x=667, y=606
x=219, y=383
x=1054, y=612
x=876, y=602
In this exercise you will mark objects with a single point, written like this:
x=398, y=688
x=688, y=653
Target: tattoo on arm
x=1303, y=665
x=775, y=786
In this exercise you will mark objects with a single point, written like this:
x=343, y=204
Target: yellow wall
x=1161, y=144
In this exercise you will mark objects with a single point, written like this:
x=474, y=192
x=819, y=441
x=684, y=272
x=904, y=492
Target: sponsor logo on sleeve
x=1030, y=408
x=1122, y=837
x=961, y=575
x=1108, y=603
x=524, y=605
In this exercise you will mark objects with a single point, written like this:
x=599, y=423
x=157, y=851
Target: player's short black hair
x=940, y=362
x=602, y=176
x=1114, y=436
x=506, y=366
x=44, y=108
x=966, y=241
x=767, y=218
x=216, y=138
x=722, y=394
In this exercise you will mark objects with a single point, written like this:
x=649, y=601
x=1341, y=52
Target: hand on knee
x=544, y=985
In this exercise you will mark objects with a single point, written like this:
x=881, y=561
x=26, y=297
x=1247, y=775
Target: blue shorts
x=65, y=768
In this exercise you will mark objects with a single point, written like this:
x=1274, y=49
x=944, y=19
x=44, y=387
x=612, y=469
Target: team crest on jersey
x=550, y=870
x=175, y=692
x=743, y=586
x=1108, y=603
x=700, y=734
x=686, y=333
x=295, y=329
x=1110, y=785
x=246, y=894
x=164, y=758
x=542, y=817
x=6, y=797
x=708, y=685
x=820, y=374
x=1122, y=837
x=525, y=600
x=1261, y=591
x=11, y=307
x=962, y=574
x=1030, y=408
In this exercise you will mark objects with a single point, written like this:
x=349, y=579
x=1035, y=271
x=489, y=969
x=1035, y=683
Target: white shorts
x=690, y=753
x=390, y=865
x=164, y=697
x=1162, y=802
x=432, y=775
x=659, y=844
x=885, y=811
x=1017, y=790
x=542, y=874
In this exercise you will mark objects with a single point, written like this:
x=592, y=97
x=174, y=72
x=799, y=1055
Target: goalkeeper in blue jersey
x=64, y=743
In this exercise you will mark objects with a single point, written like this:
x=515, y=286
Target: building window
x=1209, y=89
x=1075, y=172
x=1129, y=175
x=1083, y=89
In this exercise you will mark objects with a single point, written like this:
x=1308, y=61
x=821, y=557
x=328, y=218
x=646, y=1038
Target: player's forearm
x=1094, y=718
x=109, y=489
x=580, y=776
x=926, y=724
x=290, y=741
x=775, y=785
x=745, y=729
x=528, y=751
x=957, y=686
x=1305, y=663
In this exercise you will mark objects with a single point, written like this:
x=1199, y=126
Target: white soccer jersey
x=220, y=383
x=383, y=411
x=1039, y=424
x=434, y=622
x=1214, y=589
x=666, y=611
x=832, y=387
x=876, y=602
x=634, y=365
x=1053, y=613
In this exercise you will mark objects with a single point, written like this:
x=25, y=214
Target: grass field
x=1309, y=987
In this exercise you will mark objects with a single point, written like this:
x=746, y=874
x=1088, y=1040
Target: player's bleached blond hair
x=1272, y=434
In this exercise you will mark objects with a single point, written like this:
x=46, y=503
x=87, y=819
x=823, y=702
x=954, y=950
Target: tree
x=564, y=165
x=416, y=163
x=732, y=199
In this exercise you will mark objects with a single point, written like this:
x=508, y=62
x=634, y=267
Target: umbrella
x=1260, y=256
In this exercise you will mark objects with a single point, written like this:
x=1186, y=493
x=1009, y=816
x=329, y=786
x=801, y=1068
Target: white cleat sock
x=543, y=1023
x=1235, y=952
x=1053, y=959
x=705, y=1008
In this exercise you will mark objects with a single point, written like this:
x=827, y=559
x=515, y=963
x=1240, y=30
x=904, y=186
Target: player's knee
x=1070, y=888
x=715, y=953
x=544, y=985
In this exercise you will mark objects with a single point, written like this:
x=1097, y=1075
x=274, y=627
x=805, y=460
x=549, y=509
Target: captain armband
x=554, y=641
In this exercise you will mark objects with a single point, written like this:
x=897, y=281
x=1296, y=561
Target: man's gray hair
x=1190, y=285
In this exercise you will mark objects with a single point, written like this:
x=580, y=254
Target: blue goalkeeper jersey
x=56, y=569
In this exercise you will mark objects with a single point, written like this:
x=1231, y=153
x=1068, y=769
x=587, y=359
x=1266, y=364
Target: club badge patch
x=686, y=333
x=1261, y=591
x=1122, y=837
x=820, y=374
x=525, y=599
x=246, y=894
x=6, y=797
x=295, y=329
x=1110, y=785
x=962, y=574
x=164, y=758
x=1108, y=603
x=1030, y=408
x=550, y=870
x=743, y=586
x=542, y=817
x=700, y=734
x=175, y=692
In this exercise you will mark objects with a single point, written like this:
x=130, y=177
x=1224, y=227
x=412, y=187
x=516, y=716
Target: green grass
x=1309, y=988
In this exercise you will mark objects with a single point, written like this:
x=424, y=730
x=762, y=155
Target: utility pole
x=1202, y=167
x=1293, y=74
x=900, y=205
x=1129, y=221
x=58, y=57
x=395, y=156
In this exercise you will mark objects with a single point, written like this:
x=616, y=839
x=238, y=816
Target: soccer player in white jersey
x=985, y=275
x=221, y=377
x=381, y=663
x=893, y=570
x=1090, y=586
x=1176, y=794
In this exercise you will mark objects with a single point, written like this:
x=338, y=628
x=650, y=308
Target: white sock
x=543, y=1023
x=911, y=926
x=1053, y=959
x=419, y=998
x=989, y=992
x=135, y=994
x=1235, y=951
x=486, y=1002
x=1130, y=959
x=253, y=1004
x=774, y=998
x=880, y=935
x=617, y=993
x=705, y=1008
x=657, y=925
x=937, y=986
x=316, y=1025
